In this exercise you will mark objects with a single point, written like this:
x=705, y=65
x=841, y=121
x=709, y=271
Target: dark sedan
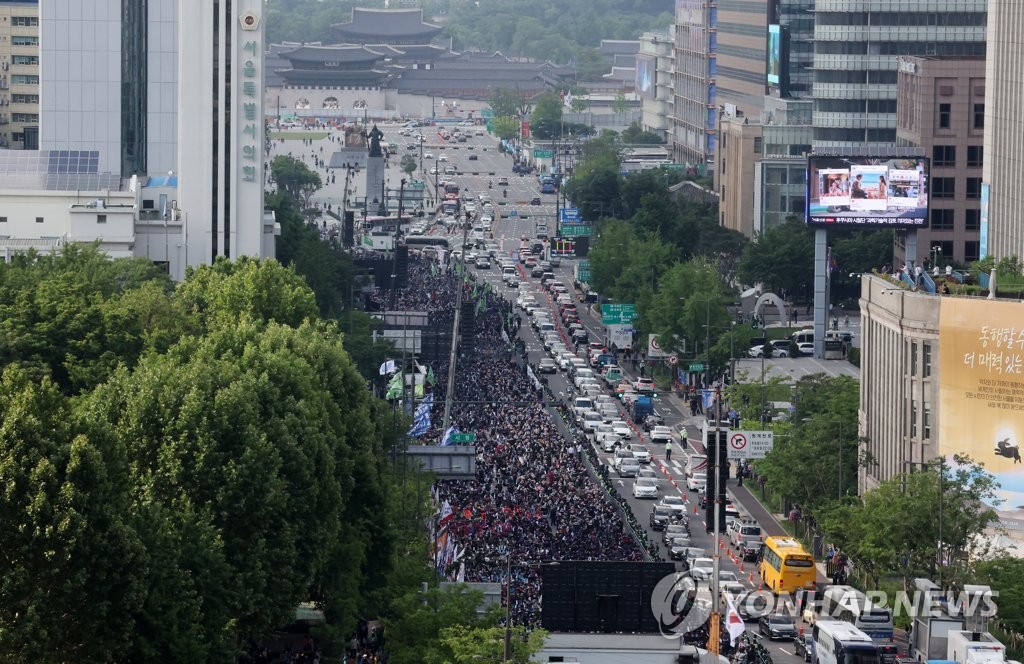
x=751, y=550
x=777, y=626
x=547, y=365
x=660, y=517
x=802, y=647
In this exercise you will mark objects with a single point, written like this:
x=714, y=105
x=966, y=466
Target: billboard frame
x=774, y=55
x=868, y=219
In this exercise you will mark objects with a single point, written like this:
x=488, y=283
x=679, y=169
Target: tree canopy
x=546, y=119
x=295, y=179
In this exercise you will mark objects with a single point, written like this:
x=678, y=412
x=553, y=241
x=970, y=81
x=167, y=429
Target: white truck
x=974, y=648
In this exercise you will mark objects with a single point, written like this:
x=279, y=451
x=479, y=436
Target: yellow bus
x=785, y=566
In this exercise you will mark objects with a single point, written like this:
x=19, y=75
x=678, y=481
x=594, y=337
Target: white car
x=622, y=430
x=608, y=413
x=442, y=157
x=676, y=503
x=642, y=454
x=702, y=568
x=725, y=576
x=428, y=155
x=645, y=487
x=607, y=441
x=591, y=421
x=661, y=435
x=695, y=481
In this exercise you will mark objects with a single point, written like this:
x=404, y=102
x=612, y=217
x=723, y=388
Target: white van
x=581, y=405
x=805, y=336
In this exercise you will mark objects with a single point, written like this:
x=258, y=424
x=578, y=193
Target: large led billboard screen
x=774, y=54
x=867, y=191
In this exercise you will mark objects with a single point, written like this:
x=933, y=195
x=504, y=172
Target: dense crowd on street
x=532, y=499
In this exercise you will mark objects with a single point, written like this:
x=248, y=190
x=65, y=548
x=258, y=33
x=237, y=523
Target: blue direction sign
x=618, y=314
x=570, y=215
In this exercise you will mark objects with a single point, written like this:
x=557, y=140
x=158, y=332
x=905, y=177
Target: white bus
x=420, y=241
x=838, y=642
x=850, y=605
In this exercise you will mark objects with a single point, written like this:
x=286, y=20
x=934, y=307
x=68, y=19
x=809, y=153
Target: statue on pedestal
x=374, y=138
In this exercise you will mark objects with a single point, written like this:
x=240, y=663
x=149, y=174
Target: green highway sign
x=618, y=314
x=463, y=437
x=574, y=230
x=542, y=154
x=695, y=368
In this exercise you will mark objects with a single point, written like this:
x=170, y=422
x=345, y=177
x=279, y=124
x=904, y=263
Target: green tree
x=473, y=644
x=634, y=134
x=74, y=572
x=408, y=164
x=505, y=127
x=620, y=104
x=1005, y=575
x=815, y=458
x=546, y=119
x=781, y=258
x=295, y=179
x=689, y=298
x=508, y=103
x=420, y=618
x=896, y=528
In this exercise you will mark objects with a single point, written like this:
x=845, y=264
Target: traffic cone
x=721, y=545
x=695, y=508
x=750, y=578
x=741, y=567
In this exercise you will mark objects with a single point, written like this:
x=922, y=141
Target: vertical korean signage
x=981, y=388
x=251, y=137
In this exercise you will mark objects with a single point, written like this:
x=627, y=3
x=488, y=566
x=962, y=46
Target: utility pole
x=394, y=249
x=714, y=639
x=453, y=357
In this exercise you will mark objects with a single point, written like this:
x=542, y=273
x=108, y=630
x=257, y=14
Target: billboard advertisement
x=646, y=73
x=774, y=54
x=981, y=388
x=867, y=191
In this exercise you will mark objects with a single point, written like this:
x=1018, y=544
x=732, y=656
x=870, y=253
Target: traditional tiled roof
x=418, y=52
x=339, y=54
x=387, y=25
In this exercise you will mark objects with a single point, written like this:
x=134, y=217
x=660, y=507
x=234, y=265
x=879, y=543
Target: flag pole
x=452, y=358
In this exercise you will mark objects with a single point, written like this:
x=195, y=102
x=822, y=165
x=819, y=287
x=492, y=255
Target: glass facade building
x=695, y=103
x=855, y=49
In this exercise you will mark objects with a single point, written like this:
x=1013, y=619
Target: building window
x=913, y=358
x=24, y=79
x=945, y=113
x=926, y=360
x=25, y=59
x=24, y=99
x=973, y=188
x=39, y=220
x=913, y=419
x=975, y=156
x=944, y=155
x=979, y=116
x=758, y=144
x=972, y=251
x=101, y=219
x=24, y=117
x=972, y=220
x=24, y=40
x=3, y=220
x=24, y=21
x=942, y=220
x=943, y=187
x=926, y=422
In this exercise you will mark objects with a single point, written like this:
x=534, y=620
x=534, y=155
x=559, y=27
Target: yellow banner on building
x=981, y=388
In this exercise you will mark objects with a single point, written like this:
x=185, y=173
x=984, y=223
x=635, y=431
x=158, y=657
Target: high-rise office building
x=19, y=74
x=741, y=30
x=109, y=81
x=694, y=110
x=221, y=139
x=855, y=47
x=1002, y=204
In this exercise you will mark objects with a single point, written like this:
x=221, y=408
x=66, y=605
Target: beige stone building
x=19, y=75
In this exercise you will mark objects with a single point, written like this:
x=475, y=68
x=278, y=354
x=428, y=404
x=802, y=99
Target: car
x=751, y=550
x=701, y=569
x=731, y=588
x=644, y=385
x=411, y=147
x=622, y=429
x=747, y=605
x=806, y=348
x=547, y=365
x=777, y=626
x=696, y=480
x=745, y=531
x=503, y=181
x=620, y=455
x=535, y=200
x=645, y=487
x=726, y=576
x=676, y=503
x=589, y=421
x=537, y=272
x=811, y=611
x=442, y=157
x=648, y=472
x=428, y=155
x=642, y=454
x=660, y=517
x=483, y=263
x=472, y=157
x=677, y=547
x=803, y=645
x=607, y=441
x=628, y=468
x=661, y=434
x=780, y=345
x=673, y=530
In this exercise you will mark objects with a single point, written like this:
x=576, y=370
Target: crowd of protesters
x=532, y=500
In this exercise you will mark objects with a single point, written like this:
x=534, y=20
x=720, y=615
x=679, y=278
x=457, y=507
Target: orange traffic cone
x=750, y=578
x=760, y=586
x=741, y=567
x=695, y=508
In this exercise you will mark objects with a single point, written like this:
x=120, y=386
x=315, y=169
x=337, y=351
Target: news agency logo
x=683, y=604
x=680, y=605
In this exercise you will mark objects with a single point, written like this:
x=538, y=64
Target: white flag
x=388, y=367
x=733, y=622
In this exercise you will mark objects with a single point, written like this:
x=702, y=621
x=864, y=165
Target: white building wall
x=70, y=216
x=221, y=154
x=162, y=83
x=80, y=76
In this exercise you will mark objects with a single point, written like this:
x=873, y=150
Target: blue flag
x=447, y=438
x=421, y=421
